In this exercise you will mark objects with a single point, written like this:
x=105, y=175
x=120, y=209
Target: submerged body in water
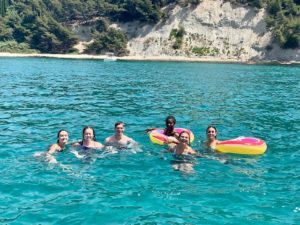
x=119, y=140
x=183, y=154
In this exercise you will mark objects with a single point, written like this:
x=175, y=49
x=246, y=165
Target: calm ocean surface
x=41, y=96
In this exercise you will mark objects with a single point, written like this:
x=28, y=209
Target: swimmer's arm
x=98, y=145
x=49, y=156
x=148, y=130
x=193, y=152
x=107, y=142
x=132, y=143
x=176, y=135
x=171, y=149
x=171, y=140
x=76, y=144
x=73, y=151
x=52, y=149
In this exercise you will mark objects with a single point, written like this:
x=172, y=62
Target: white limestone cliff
x=222, y=30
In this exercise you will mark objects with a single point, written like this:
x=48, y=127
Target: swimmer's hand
x=53, y=160
x=109, y=148
x=77, y=154
x=50, y=158
x=148, y=130
x=199, y=155
x=66, y=167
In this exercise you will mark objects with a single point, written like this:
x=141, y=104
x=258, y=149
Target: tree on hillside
x=3, y=7
x=143, y=10
x=110, y=41
x=5, y=33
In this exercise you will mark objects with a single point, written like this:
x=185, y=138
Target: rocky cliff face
x=212, y=29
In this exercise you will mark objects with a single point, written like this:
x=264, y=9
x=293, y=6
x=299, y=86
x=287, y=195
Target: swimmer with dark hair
x=210, y=145
x=119, y=139
x=211, y=135
x=88, y=140
x=62, y=140
x=169, y=130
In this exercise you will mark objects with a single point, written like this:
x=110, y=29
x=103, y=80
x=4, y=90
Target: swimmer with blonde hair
x=183, y=154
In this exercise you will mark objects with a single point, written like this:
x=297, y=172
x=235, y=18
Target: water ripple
x=141, y=187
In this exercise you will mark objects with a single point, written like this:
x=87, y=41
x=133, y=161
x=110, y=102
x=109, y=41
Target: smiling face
x=88, y=134
x=62, y=137
x=211, y=133
x=170, y=123
x=184, y=137
x=119, y=129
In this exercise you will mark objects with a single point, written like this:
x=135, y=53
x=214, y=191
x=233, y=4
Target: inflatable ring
x=157, y=136
x=242, y=145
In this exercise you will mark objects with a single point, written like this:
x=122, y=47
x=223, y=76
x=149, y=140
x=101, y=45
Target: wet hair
x=171, y=118
x=88, y=127
x=185, y=131
x=211, y=126
x=118, y=123
x=58, y=133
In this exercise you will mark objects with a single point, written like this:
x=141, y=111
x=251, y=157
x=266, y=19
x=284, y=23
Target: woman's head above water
x=211, y=132
x=62, y=137
x=184, y=137
x=88, y=134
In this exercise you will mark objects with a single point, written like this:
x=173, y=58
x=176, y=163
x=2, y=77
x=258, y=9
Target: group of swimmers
x=179, y=143
x=118, y=140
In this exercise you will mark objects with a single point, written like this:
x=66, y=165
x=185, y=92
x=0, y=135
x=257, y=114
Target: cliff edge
x=213, y=29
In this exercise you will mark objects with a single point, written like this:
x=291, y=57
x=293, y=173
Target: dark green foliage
x=110, y=41
x=205, y=51
x=5, y=33
x=258, y=3
x=292, y=41
x=297, y=2
x=3, y=7
x=255, y=3
x=284, y=20
x=201, y=51
x=32, y=24
x=51, y=37
x=274, y=7
x=15, y=47
x=178, y=34
x=102, y=25
x=194, y=2
x=41, y=24
x=143, y=10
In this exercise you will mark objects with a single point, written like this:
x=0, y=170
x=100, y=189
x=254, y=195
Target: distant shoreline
x=143, y=58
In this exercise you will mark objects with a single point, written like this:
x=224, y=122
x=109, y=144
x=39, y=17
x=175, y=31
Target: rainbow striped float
x=157, y=136
x=242, y=145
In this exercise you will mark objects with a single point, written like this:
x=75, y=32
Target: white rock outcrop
x=217, y=28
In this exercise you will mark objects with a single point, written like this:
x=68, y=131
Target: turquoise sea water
x=41, y=96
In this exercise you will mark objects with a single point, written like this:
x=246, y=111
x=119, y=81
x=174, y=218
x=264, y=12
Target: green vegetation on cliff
x=30, y=22
x=107, y=39
x=178, y=35
x=283, y=19
x=42, y=24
